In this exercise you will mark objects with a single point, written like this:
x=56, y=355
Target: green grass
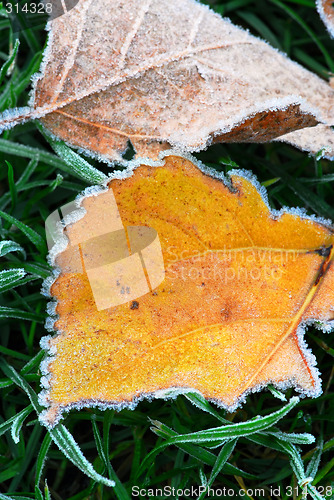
x=180, y=443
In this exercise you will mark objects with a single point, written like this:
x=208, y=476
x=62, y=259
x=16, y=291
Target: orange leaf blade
x=240, y=285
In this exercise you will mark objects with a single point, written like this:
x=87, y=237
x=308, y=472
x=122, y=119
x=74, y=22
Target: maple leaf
x=241, y=284
x=160, y=73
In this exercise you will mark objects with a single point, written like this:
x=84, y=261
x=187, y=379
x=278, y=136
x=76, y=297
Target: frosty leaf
x=307, y=139
x=162, y=73
x=241, y=284
x=326, y=11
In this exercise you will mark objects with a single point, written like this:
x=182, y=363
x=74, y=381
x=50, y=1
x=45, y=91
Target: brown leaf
x=160, y=73
x=241, y=284
x=326, y=11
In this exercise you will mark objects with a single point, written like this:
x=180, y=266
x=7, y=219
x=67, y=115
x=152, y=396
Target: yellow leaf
x=241, y=283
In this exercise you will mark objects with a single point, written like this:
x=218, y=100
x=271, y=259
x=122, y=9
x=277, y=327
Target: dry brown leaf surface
x=161, y=73
x=326, y=11
x=241, y=284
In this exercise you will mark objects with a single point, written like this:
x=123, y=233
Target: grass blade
x=6, y=426
x=11, y=183
x=60, y=435
x=119, y=489
x=34, y=237
x=41, y=458
x=227, y=432
x=5, y=67
x=302, y=438
x=313, y=465
x=11, y=312
x=11, y=278
x=18, y=422
x=222, y=458
x=200, y=402
x=8, y=246
x=78, y=165
x=232, y=431
x=67, y=445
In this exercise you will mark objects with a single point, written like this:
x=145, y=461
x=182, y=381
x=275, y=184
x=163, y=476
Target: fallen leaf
x=241, y=284
x=326, y=11
x=160, y=73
